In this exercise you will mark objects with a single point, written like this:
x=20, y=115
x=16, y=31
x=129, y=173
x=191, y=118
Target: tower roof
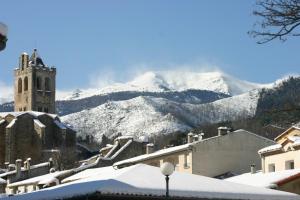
x=35, y=59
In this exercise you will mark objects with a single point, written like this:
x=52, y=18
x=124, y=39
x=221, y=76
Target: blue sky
x=95, y=41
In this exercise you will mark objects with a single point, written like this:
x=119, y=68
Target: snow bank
x=266, y=180
x=147, y=180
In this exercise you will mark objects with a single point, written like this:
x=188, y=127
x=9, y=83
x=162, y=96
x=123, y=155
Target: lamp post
x=167, y=169
x=3, y=36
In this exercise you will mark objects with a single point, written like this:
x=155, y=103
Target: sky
x=93, y=43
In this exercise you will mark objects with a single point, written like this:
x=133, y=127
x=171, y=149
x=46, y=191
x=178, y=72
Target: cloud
x=6, y=93
x=102, y=78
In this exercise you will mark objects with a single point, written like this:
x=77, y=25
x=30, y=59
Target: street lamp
x=167, y=169
x=3, y=36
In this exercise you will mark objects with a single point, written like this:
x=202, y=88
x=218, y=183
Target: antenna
x=35, y=44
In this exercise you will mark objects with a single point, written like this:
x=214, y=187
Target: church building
x=33, y=130
x=34, y=84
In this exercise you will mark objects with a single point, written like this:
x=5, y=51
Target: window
x=20, y=85
x=47, y=84
x=186, y=161
x=289, y=164
x=39, y=83
x=40, y=109
x=23, y=61
x=20, y=109
x=24, y=109
x=26, y=83
x=46, y=110
x=272, y=167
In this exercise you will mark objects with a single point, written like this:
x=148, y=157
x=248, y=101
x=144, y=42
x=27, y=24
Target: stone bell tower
x=34, y=85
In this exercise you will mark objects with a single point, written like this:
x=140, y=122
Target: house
x=285, y=180
x=18, y=172
x=147, y=182
x=232, y=152
x=285, y=154
x=124, y=147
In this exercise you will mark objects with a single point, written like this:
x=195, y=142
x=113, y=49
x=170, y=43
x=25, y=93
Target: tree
x=279, y=19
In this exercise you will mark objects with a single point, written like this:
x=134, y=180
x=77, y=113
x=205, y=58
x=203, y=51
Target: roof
x=35, y=59
x=295, y=142
x=295, y=126
x=148, y=180
x=33, y=113
x=155, y=154
x=44, y=179
x=13, y=172
x=271, y=148
x=180, y=148
x=2, y=181
x=266, y=180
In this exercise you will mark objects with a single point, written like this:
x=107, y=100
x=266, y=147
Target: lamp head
x=3, y=36
x=167, y=168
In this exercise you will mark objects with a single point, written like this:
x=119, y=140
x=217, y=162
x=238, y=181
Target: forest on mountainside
x=277, y=109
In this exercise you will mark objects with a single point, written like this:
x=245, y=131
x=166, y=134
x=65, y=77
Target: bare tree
x=279, y=19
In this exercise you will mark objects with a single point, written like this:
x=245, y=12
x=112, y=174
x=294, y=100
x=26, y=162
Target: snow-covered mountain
x=150, y=115
x=158, y=103
x=173, y=81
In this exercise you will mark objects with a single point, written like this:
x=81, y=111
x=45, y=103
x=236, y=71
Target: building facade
x=229, y=152
x=34, y=85
x=35, y=135
x=285, y=154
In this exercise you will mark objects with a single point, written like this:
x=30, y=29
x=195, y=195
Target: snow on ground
x=266, y=180
x=147, y=180
x=151, y=116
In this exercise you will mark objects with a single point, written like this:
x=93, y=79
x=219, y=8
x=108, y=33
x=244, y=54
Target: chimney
x=200, y=136
x=190, y=137
x=18, y=167
x=11, y=167
x=149, y=148
x=253, y=170
x=6, y=164
x=222, y=130
x=28, y=164
x=196, y=138
x=51, y=163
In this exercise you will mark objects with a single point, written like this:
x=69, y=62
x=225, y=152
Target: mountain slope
x=151, y=116
x=188, y=96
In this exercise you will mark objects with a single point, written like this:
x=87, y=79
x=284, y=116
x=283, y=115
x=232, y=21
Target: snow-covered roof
x=8, y=173
x=60, y=124
x=121, y=149
x=33, y=113
x=155, y=154
x=266, y=180
x=124, y=137
x=2, y=121
x=295, y=126
x=90, y=173
x=295, y=139
x=148, y=180
x=44, y=179
x=271, y=148
x=39, y=123
x=11, y=123
x=2, y=181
